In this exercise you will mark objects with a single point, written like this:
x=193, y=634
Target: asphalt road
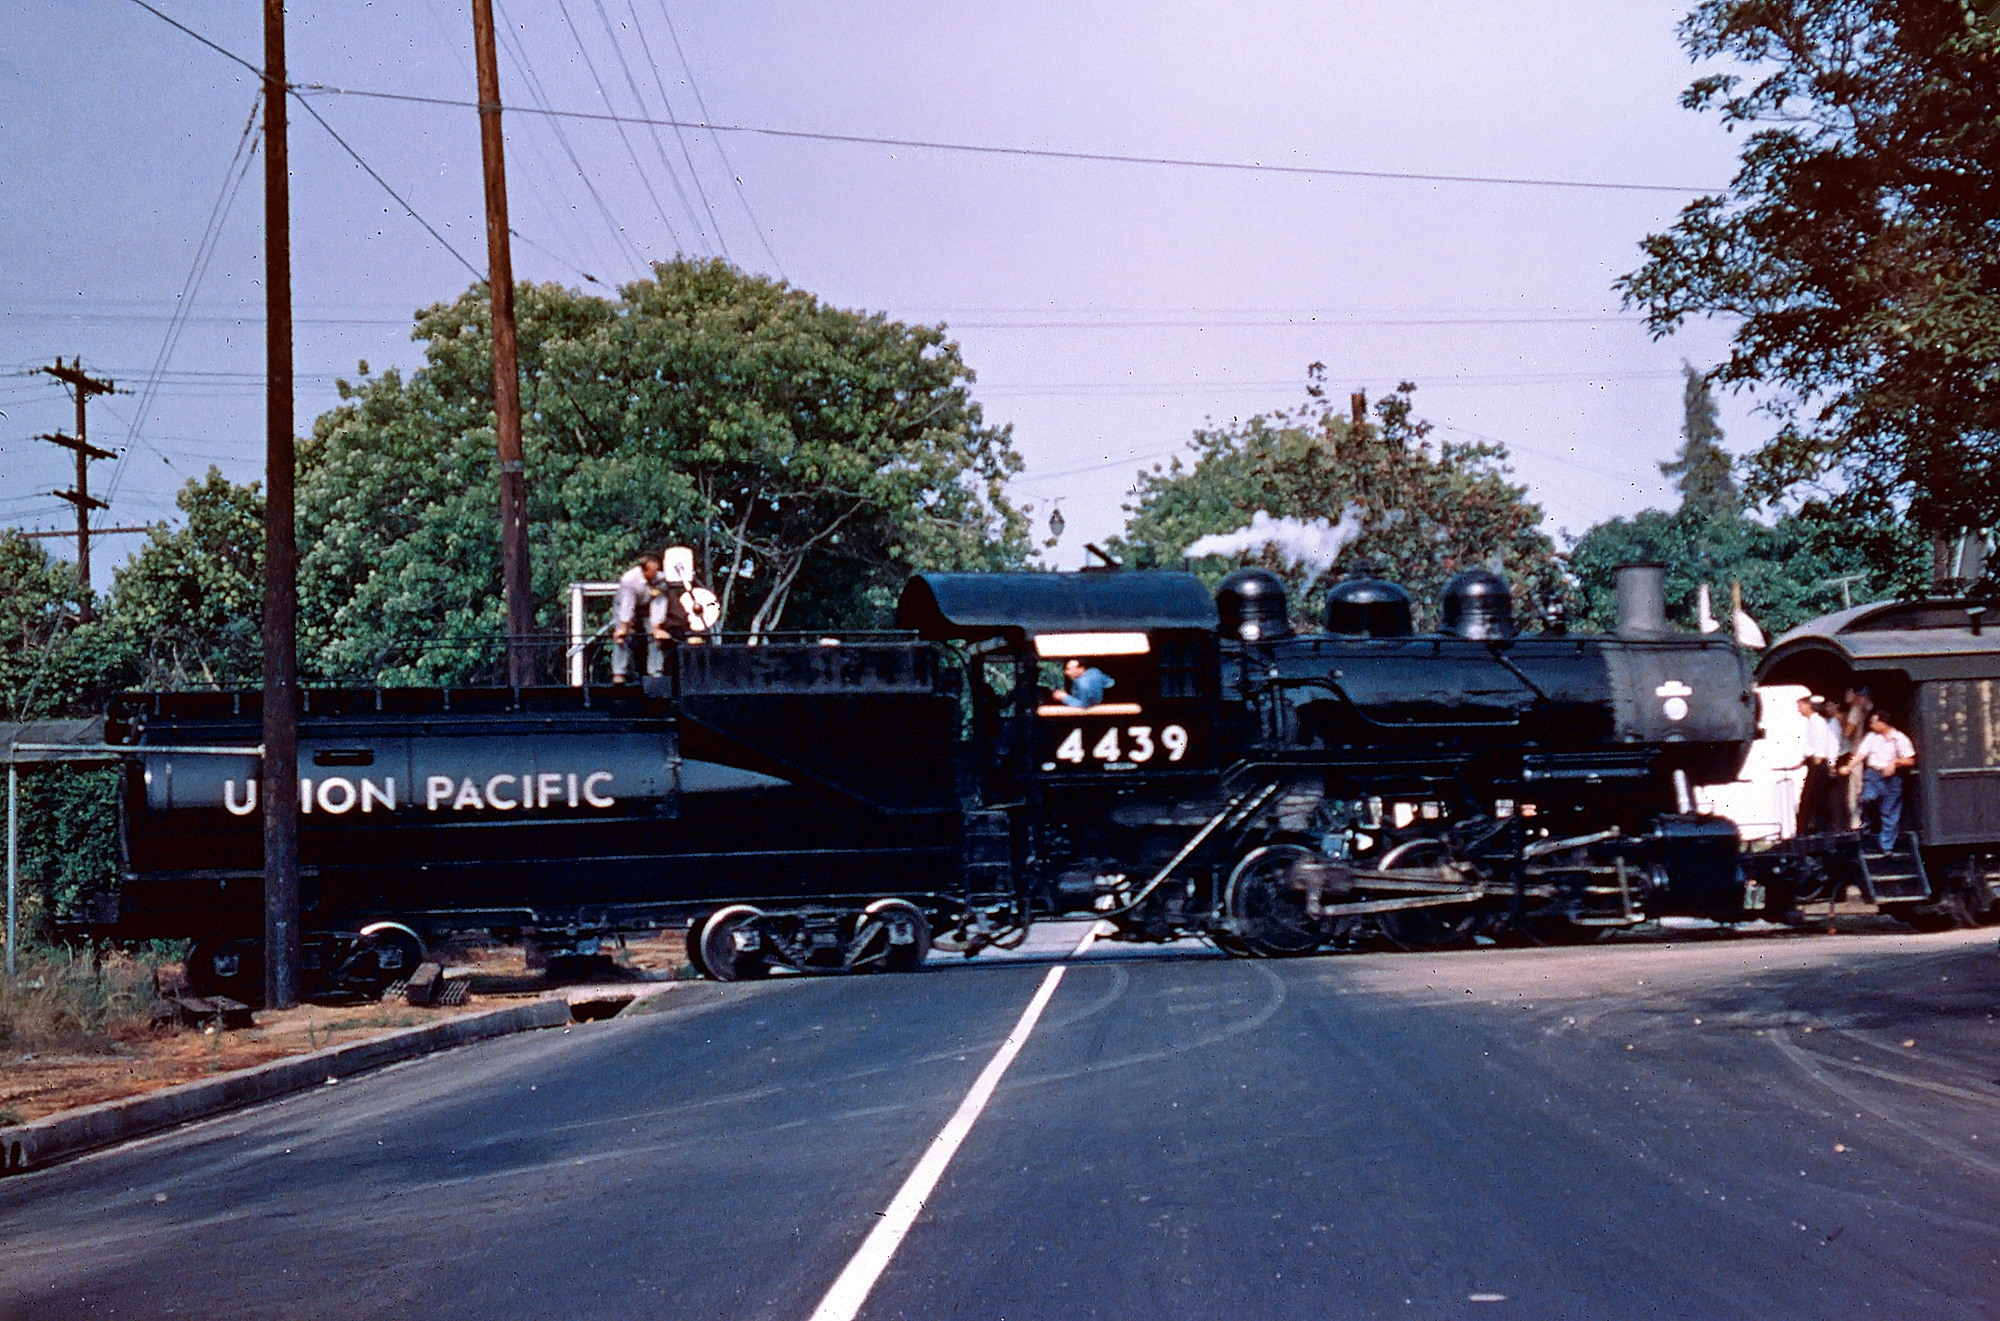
x=1790, y=1127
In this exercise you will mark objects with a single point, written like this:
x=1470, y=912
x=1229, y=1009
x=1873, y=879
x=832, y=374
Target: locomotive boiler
x=847, y=803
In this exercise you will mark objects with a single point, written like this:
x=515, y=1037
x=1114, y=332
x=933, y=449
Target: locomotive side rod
x=1397, y=905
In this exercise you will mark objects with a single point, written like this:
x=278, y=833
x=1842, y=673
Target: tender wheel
x=385, y=956
x=1268, y=903
x=220, y=965
x=894, y=936
x=694, y=931
x=732, y=947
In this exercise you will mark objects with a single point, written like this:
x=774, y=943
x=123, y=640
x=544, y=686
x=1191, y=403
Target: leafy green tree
x=1857, y=248
x=188, y=605
x=1703, y=472
x=811, y=456
x=1427, y=511
x=1791, y=571
x=52, y=665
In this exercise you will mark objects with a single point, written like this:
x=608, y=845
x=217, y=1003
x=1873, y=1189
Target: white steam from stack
x=1313, y=544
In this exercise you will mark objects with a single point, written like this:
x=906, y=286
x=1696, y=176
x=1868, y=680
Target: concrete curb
x=43, y=1142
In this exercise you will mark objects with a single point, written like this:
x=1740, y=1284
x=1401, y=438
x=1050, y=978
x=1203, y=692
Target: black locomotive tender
x=844, y=804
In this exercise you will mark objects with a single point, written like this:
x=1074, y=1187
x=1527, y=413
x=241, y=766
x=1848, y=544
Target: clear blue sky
x=1109, y=309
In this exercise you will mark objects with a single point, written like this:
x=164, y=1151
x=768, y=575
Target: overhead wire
x=555, y=222
x=659, y=81
x=1048, y=153
x=232, y=183
x=621, y=238
x=293, y=90
x=638, y=99
x=728, y=167
x=659, y=208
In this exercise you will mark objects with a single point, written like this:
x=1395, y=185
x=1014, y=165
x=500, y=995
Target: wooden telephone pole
x=518, y=586
x=281, y=550
x=84, y=386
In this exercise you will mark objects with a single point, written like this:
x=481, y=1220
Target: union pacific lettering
x=337, y=795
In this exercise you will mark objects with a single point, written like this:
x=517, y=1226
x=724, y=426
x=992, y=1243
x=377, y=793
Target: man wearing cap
x=1817, y=796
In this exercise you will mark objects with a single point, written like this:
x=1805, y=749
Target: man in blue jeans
x=1885, y=753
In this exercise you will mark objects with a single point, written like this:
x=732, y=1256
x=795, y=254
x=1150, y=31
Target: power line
x=293, y=90
x=659, y=208
x=1303, y=321
x=1037, y=153
x=218, y=216
x=659, y=81
x=618, y=49
x=429, y=228
x=702, y=106
x=471, y=76
x=532, y=81
x=1141, y=318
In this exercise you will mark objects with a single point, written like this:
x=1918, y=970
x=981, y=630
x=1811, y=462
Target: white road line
x=843, y=1301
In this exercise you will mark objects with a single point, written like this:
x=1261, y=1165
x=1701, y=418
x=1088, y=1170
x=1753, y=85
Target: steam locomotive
x=848, y=804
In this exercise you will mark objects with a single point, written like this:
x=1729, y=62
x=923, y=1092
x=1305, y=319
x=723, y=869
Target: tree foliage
x=811, y=456
x=1858, y=247
x=188, y=605
x=1703, y=472
x=51, y=664
x=1428, y=511
x=1789, y=570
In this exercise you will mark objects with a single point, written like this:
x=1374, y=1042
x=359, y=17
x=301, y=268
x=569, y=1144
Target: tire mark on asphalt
x=1812, y=1069
x=1273, y=1002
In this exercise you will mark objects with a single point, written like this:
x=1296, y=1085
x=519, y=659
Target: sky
x=1109, y=309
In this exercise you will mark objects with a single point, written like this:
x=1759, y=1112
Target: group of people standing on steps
x=1854, y=763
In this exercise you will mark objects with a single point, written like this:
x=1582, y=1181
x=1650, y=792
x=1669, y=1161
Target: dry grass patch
x=71, y=1001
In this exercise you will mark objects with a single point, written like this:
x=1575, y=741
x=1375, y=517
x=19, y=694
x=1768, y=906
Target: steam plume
x=1304, y=543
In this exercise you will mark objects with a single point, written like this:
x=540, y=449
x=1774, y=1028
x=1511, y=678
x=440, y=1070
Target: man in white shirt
x=636, y=589
x=1885, y=753
x=1822, y=750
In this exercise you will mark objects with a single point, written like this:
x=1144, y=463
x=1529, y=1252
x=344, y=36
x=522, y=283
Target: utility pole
x=281, y=551
x=518, y=587
x=84, y=387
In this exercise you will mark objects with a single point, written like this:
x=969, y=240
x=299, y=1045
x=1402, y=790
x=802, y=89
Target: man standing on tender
x=636, y=589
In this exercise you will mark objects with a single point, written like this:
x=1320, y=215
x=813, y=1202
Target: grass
x=64, y=999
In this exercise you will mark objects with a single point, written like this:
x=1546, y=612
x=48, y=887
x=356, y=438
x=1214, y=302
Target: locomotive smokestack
x=1642, y=599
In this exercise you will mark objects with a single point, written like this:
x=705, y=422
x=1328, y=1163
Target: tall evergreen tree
x=1702, y=472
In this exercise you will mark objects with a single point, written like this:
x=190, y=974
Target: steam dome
x=1368, y=608
x=1478, y=604
x=1252, y=605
